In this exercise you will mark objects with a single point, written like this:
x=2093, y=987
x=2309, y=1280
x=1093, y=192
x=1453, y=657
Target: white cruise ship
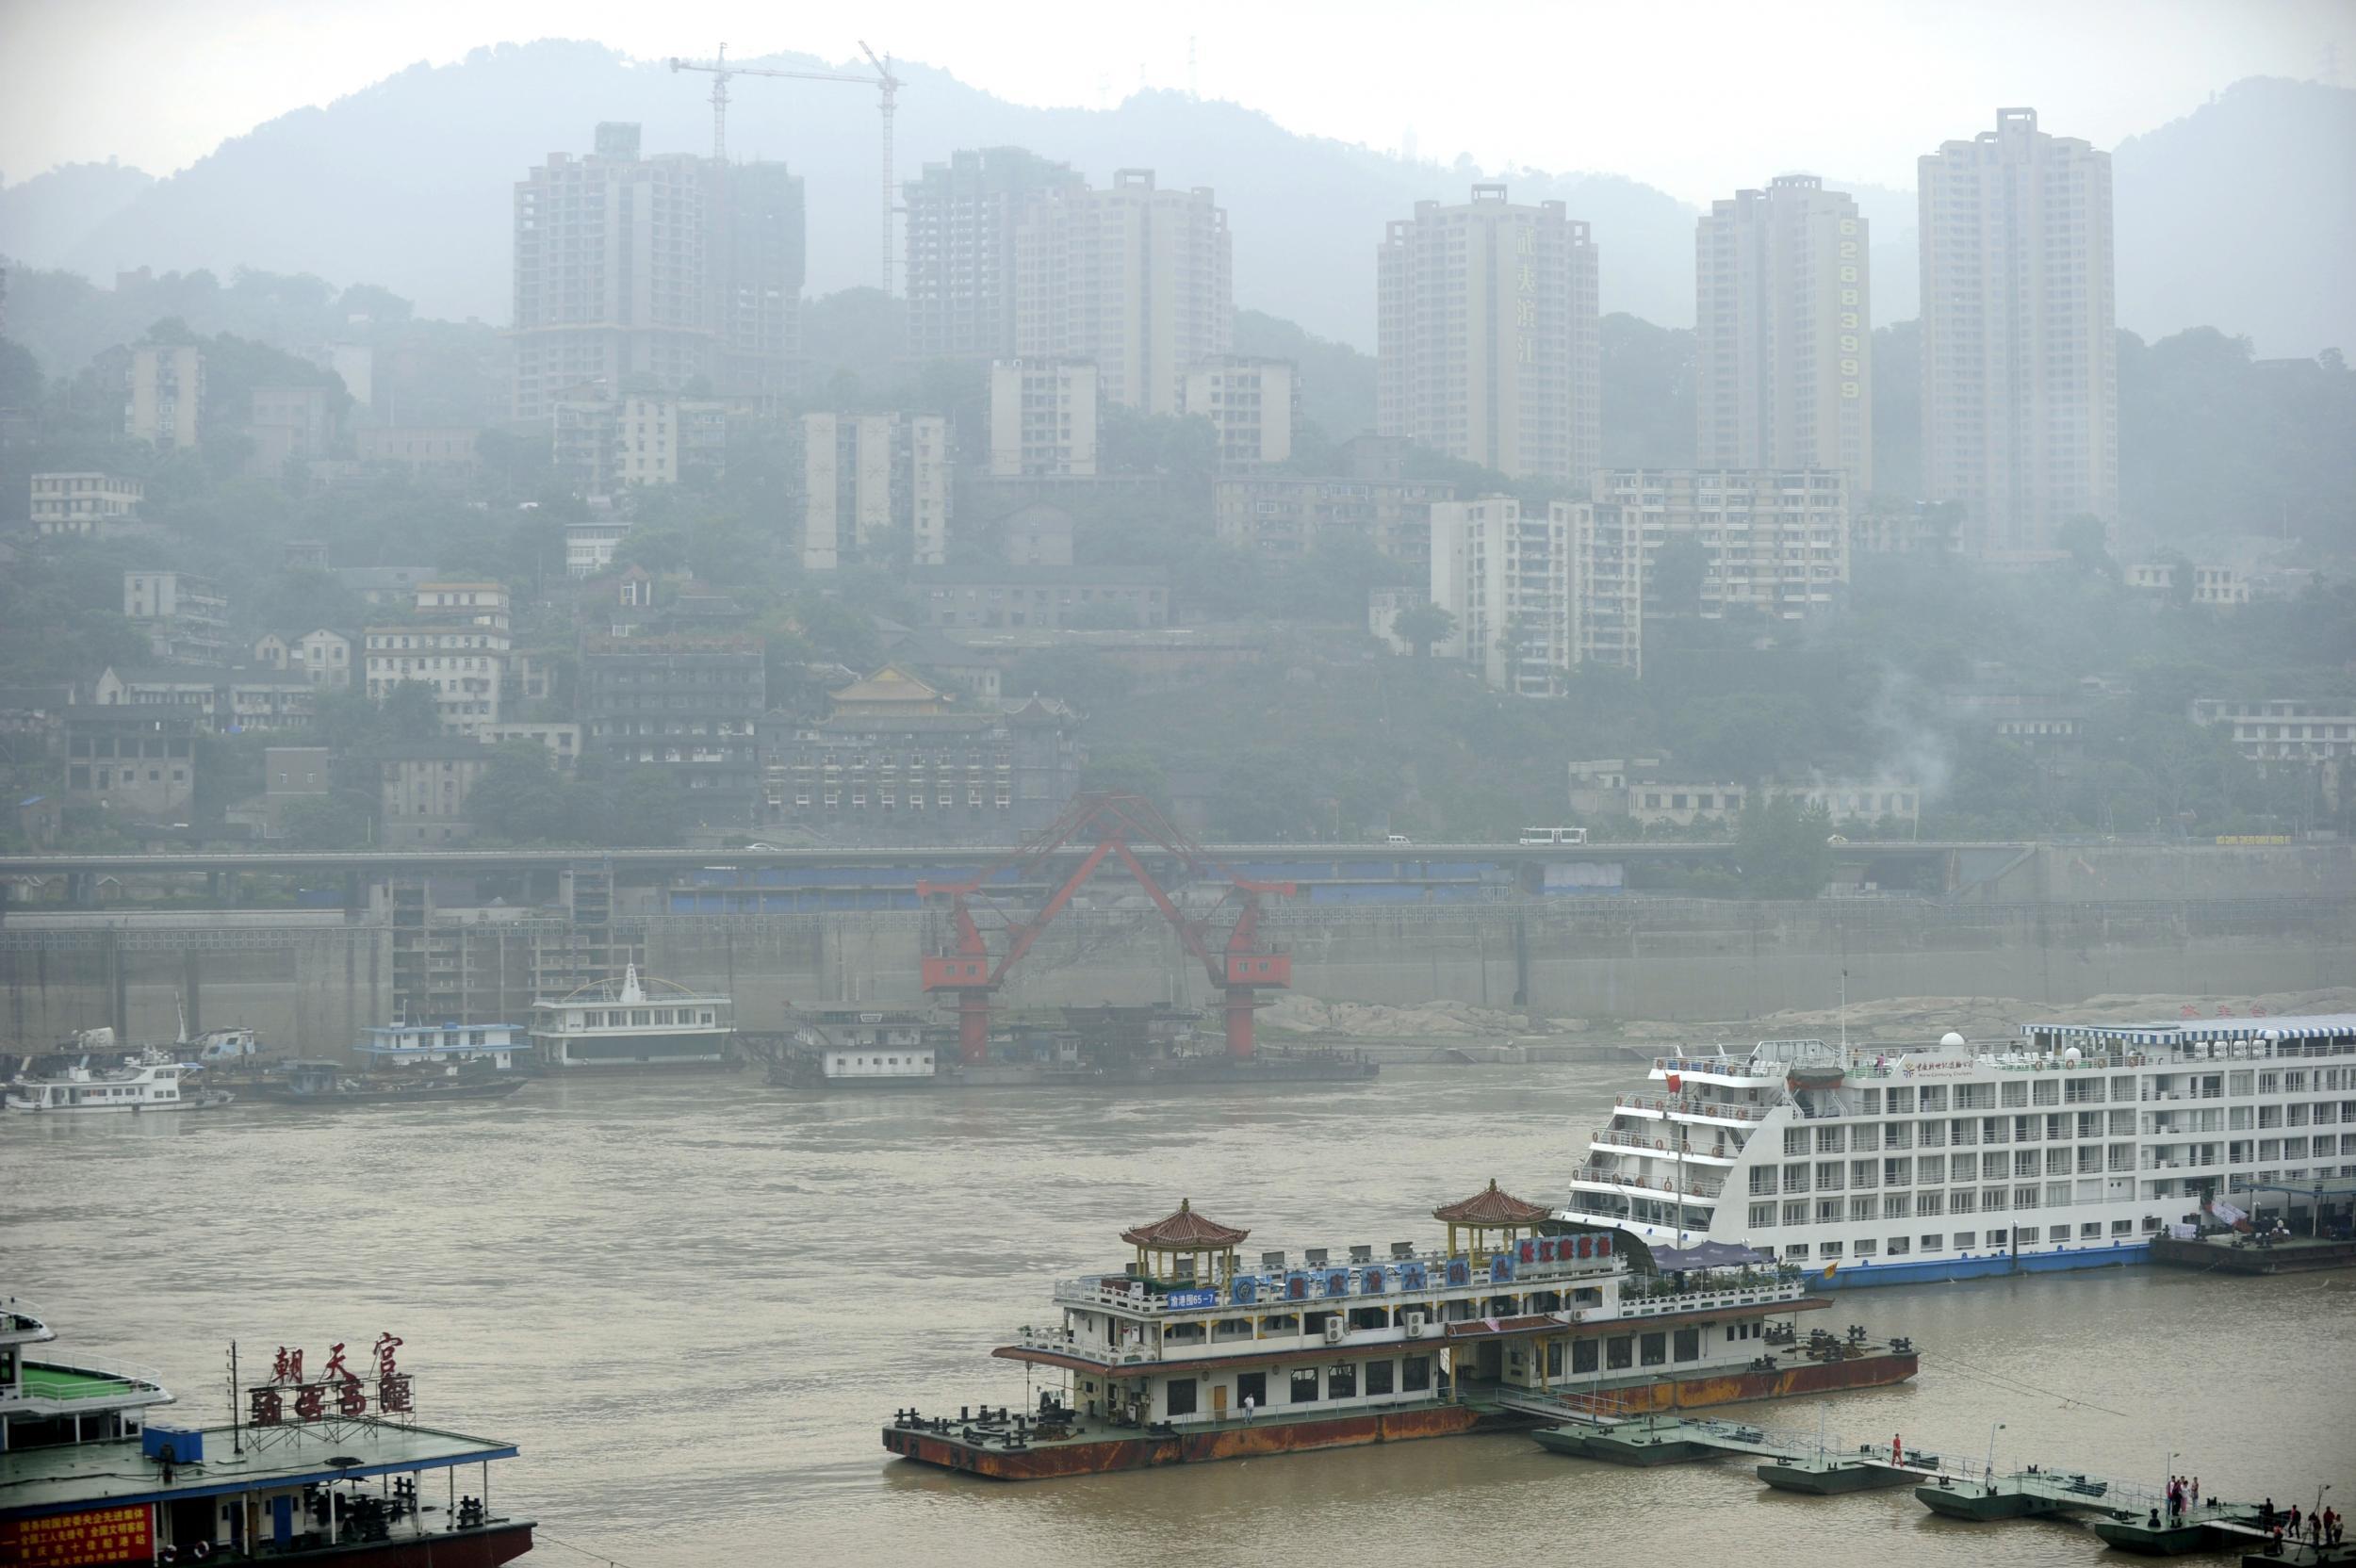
x=2070, y=1151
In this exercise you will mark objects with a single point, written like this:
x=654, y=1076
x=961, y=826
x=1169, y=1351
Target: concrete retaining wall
x=315, y=988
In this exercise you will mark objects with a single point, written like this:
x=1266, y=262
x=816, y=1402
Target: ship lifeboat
x=1813, y=1078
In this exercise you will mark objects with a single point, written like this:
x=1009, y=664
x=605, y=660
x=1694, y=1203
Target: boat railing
x=1691, y=1105
x=19, y=1316
x=1618, y=1139
x=1269, y=1288
x=130, y=1373
x=1692, y=1186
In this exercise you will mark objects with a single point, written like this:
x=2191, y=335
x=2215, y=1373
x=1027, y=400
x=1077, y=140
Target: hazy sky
x=1696, y=98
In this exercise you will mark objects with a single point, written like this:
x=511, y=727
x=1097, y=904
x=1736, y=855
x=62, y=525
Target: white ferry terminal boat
x=1867, y=1165
x=616, y=1024
x=155, y=1081
x=1186, y=1355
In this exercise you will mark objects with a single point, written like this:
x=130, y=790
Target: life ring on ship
x=200, y=1550
x=1658, y=1144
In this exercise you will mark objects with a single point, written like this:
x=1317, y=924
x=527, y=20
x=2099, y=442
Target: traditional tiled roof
x=1182, y=1231
x=1490, y=1207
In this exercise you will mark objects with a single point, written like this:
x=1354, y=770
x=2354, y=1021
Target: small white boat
x=151, y=1082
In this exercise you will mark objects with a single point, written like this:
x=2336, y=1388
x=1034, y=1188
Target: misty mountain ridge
x=408, y=184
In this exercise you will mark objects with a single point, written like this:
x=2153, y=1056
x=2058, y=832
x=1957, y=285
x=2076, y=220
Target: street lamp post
x=1993, y=1428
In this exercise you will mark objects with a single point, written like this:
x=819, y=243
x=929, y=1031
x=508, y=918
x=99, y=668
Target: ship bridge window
x=1251, y=1387
x=1305, y=1386
x=1231, y=1327
x=1655, y=1349
x=1369, y=1317
x=1184, y=1334
x=1279, y=1325
x=1620, y=1351
x=1414, y=1374
x=1689, y=1345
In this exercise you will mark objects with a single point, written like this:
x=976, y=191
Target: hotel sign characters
x=268, y=1403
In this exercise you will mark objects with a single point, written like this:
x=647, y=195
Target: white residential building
x=1776, y=541
x=872, y=480
x=1506, y=579
x=1785, y=370
x=2019, y=336
x=82, y=502
x=1251, y=404
x=1487, y=336
x=185, y=617
x=1137, y=279
x=462, y=663
x=167, y=390
x=1042, y=418
x=589, y=546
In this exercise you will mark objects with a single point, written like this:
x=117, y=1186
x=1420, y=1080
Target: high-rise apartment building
x=1042, y=418
x=869, y=480
x=166, y=392
x=2019, y=355
x=962, y=215
x=1486, y=337
x=1783, y=308
x=1773, y=541
x=1137, y=279
x=1506, y=579
x=1251, y=404
x=669, y=267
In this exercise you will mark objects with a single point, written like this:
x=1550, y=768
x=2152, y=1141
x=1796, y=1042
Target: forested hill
x=2238, y=216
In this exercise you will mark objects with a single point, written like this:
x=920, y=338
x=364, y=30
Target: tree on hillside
x=2087, y=540
x=411, y=712
x=1420, y=626
x=1780, y=845
x=520, y=796
x=1673, y=578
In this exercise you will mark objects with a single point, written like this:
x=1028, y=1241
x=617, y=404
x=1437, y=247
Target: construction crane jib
x=1238, y=965
x=721, y=71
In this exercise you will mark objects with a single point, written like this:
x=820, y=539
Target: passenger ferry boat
x=155, y=1081
x=501, y=1047
x=2073, y=1149
x=1186, y=1355
x=307, y=1476
x=624, y=1023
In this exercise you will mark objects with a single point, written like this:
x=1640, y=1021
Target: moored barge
x=1187, y=1355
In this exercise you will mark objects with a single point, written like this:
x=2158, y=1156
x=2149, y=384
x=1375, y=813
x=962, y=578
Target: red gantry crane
x=1238, y=965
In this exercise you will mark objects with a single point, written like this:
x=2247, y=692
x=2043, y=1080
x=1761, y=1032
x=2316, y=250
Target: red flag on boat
x=1677, y=1083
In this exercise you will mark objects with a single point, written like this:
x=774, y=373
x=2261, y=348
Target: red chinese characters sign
x=67, y=1540
x=340, y=1391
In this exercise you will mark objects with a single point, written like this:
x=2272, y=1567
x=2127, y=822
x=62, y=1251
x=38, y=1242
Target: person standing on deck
x=1246, y=1409
x=1897, y=1450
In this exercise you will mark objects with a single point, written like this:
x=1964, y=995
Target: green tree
x=2087, y=540
x=412, y=711
x=1673, y=578
x=1781, y=847
x=520, y=796
x=322, y=824
x=1420, y=626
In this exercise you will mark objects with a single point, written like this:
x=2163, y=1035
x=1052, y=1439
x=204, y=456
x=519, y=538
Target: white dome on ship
x=1951, y=1037
x=2071, y=1054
